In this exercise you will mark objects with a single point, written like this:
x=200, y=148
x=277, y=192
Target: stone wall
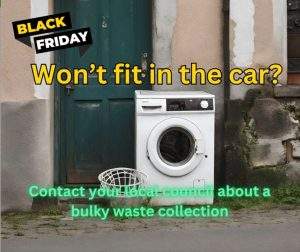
x=266, y=148
x=262, y=131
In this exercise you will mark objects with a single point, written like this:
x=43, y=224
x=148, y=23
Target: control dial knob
x=204, y=104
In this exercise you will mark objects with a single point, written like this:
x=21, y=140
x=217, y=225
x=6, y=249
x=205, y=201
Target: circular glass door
x=175, y=147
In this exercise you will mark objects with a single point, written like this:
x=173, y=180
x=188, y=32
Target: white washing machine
x=175, y=141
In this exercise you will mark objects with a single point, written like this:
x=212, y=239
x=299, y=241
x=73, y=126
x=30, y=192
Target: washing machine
x=175, y=142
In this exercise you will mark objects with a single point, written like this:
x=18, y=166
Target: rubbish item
x=175, y=137
x=121, y=178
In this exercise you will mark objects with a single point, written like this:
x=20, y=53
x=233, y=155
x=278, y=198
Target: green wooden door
x=97, y=123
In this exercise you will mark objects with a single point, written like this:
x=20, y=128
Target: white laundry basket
x=119, y=178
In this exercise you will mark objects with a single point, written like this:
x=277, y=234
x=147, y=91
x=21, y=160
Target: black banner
x=61, y=40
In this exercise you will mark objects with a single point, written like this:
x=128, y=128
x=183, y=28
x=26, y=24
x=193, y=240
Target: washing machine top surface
x=145, y=94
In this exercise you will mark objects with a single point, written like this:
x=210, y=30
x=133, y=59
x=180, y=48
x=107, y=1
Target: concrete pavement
x=249, y=230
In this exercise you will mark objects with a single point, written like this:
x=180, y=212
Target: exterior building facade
x=256, y=126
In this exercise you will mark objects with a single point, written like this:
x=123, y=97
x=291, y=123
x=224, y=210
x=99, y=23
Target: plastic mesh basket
x=122, y=177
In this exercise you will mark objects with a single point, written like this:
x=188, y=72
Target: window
x=294, y=42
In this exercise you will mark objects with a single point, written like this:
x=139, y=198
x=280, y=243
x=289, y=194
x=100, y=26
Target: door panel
x=121, y=143
x=97, y=122
x=88, y=113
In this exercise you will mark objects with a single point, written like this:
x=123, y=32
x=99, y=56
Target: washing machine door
x=175, y=147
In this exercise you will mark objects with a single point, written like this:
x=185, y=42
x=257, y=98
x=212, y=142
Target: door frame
x=60, y=173
x=60, y=176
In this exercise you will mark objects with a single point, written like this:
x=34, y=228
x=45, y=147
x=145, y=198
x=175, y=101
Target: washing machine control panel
x=199, y=104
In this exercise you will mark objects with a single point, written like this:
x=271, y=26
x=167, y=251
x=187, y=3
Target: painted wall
x=186, y=32
x=16, y=82
x=258, y=37
x=26, y=151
